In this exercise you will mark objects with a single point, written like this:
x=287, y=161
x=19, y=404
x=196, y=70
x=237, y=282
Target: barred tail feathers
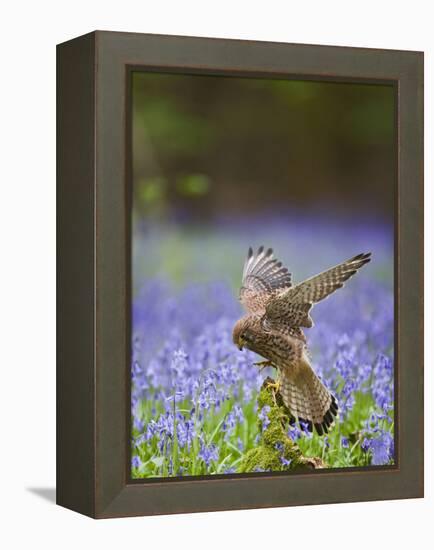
x=308, y=399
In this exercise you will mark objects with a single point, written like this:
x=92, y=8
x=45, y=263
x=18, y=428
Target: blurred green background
x=209, y=146
x=223, y=163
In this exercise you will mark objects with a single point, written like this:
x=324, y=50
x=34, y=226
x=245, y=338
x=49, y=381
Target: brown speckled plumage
x=277, y=311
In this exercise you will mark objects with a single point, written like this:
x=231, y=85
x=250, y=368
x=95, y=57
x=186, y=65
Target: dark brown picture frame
x=93, y=361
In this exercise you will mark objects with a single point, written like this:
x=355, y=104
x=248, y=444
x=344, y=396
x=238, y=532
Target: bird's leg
x=275, y=387
x=263, y=365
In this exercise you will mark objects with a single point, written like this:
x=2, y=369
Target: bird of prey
x=277, y=313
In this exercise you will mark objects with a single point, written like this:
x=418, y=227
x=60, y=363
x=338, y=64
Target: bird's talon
x=274, y=385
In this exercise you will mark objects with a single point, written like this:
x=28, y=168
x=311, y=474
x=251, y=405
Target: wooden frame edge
x=106, y=489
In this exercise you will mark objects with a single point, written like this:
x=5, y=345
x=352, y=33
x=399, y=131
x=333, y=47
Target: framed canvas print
x=240, y=263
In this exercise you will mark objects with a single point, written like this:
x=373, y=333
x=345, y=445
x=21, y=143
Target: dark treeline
x=203, y=145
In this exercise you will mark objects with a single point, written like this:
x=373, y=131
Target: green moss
x=275, y=450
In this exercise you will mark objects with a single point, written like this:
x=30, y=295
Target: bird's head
x=242, y=334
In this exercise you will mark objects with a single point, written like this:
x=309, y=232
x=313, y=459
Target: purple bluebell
x=189, y=379
x=136, y=462
x=382, y=449
x=208, y=453
x=263, y=416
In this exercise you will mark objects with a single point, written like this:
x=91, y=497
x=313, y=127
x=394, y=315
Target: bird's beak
x=240, y=344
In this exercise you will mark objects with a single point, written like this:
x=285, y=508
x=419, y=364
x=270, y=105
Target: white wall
x=29, y=32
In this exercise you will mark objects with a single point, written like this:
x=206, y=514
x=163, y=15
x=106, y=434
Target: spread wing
x=263, y=277
x=291, y=307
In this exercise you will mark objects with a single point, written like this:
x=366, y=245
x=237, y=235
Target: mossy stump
x=275, y=450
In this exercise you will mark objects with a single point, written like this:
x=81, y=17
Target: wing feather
x=263, y=277
x=292, y=306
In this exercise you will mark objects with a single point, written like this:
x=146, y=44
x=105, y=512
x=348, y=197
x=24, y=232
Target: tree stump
x=275, y=450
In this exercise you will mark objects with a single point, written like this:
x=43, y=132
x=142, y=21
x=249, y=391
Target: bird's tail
x=308, y=399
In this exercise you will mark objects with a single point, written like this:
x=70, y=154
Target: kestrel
x=273, y=328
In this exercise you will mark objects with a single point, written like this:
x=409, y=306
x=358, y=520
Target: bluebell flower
x=138, y=424
x=294, y=433
x=208, y=453
x=366, y=445
x=136, y=462
x=263, y=417
x=182, y=346
x=285, y=461
x=382, y=449
x=305, y=428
